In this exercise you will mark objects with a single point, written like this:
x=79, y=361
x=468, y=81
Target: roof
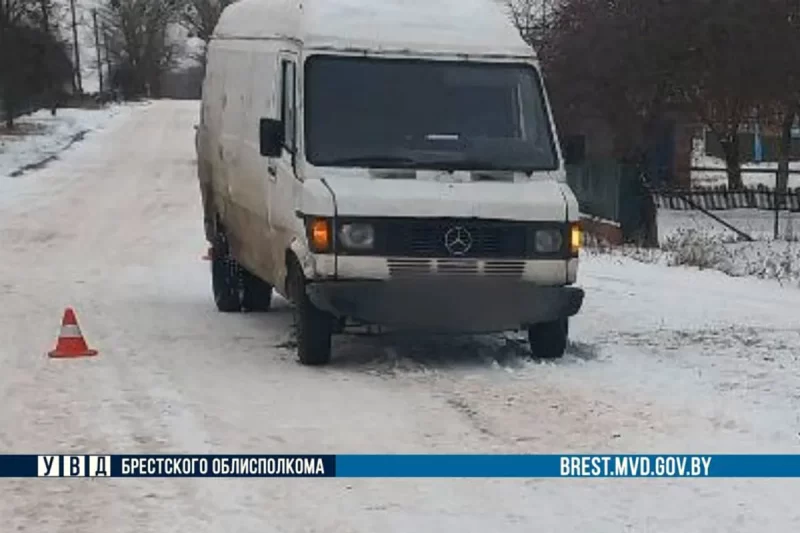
x=456, y=26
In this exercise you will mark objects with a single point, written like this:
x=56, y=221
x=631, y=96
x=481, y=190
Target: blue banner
x=758, y=148
x=403, y=466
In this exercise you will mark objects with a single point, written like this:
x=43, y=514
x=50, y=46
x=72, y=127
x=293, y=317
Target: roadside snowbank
x=40, y=137
x=692, y=239
x=756, y=223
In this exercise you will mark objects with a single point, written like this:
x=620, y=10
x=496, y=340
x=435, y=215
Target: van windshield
x=390, y=113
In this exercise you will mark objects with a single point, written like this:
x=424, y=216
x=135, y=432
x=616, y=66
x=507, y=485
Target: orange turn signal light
x=575, y=238
x=320, y=235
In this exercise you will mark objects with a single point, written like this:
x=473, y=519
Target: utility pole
x=51, y=97
x=97, y=49
x=78, y=81
x=107, y=47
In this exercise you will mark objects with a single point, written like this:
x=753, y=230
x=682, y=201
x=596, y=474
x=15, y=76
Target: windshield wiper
x=478, y=165
x=486, y=165
x=376, y=161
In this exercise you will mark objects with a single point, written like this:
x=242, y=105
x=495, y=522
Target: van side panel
x=244, y=84
x=208, y=138
x=229, y=138
x=217, y=110
x=237, y=216
x=254, y=181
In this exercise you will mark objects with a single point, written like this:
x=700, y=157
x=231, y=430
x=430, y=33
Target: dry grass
x=22, y=129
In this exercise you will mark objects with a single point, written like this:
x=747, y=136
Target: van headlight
x=548, y=241
x=357, y=236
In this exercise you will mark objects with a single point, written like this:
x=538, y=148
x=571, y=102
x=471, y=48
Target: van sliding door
x=281, y=175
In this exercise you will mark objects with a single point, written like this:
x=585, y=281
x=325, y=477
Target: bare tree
x=140, y=41
x=50, y=17
x=617, y=63
x=33, y=59
x=200, y=18
x=629, y=61
x=534, y=19
x=781, y=45
x=606, y=60
x=718, y=81
x=12, y=13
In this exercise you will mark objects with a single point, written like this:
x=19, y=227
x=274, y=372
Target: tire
x=549, y=340
x=225, y=277
x=313, y=327
x=256, y=293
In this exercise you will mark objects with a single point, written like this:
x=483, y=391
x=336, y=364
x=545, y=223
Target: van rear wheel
x=225, y=279
x=549, y=340
x=313, y=327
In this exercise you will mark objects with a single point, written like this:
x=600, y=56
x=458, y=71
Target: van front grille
x=512, y=269
x=427, y=238
x=401, y=267
x=410, y=267
x=457, y=267
x=457, y=238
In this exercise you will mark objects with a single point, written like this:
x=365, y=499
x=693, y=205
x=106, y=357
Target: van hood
x=442, y=194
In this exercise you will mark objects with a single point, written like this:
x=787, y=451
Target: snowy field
x=690, y=238
x=40, y=137
x=717, y=178
x=756, y=223
x=664, y=360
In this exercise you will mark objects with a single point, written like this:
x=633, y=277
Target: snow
x=759, y=224
x=663, y=360
x=719, y=178
x=455, y=26
x=694, y=239
x=41, y=136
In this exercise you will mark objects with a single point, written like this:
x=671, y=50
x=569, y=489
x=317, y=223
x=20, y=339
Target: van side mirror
x=270, y=137
x=574, y=149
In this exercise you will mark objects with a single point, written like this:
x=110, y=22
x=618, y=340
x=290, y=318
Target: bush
x=693, y=248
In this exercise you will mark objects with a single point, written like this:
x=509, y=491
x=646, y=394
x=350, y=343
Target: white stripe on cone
x=70, y=331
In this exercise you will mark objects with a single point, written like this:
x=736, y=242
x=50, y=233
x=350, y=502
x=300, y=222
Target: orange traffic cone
x=71, y=342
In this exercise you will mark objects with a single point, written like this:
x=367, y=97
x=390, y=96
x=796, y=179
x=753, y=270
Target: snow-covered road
x=664, y=360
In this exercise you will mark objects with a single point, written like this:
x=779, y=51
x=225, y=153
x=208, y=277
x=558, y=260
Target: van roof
x=479, y=27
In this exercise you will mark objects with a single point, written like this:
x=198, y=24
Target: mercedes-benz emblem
x=458, y=240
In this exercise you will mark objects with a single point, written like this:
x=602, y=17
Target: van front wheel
x=549, y=340
x=313, y=327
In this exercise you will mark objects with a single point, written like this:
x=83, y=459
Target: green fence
x=597, y=187
x=609, y=190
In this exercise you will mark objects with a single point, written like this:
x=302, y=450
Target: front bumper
x=457, y=306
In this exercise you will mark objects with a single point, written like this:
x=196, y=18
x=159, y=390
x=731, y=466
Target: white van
x=385, y=162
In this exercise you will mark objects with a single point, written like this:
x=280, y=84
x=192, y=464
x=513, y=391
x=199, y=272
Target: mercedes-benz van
x=385, y=162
